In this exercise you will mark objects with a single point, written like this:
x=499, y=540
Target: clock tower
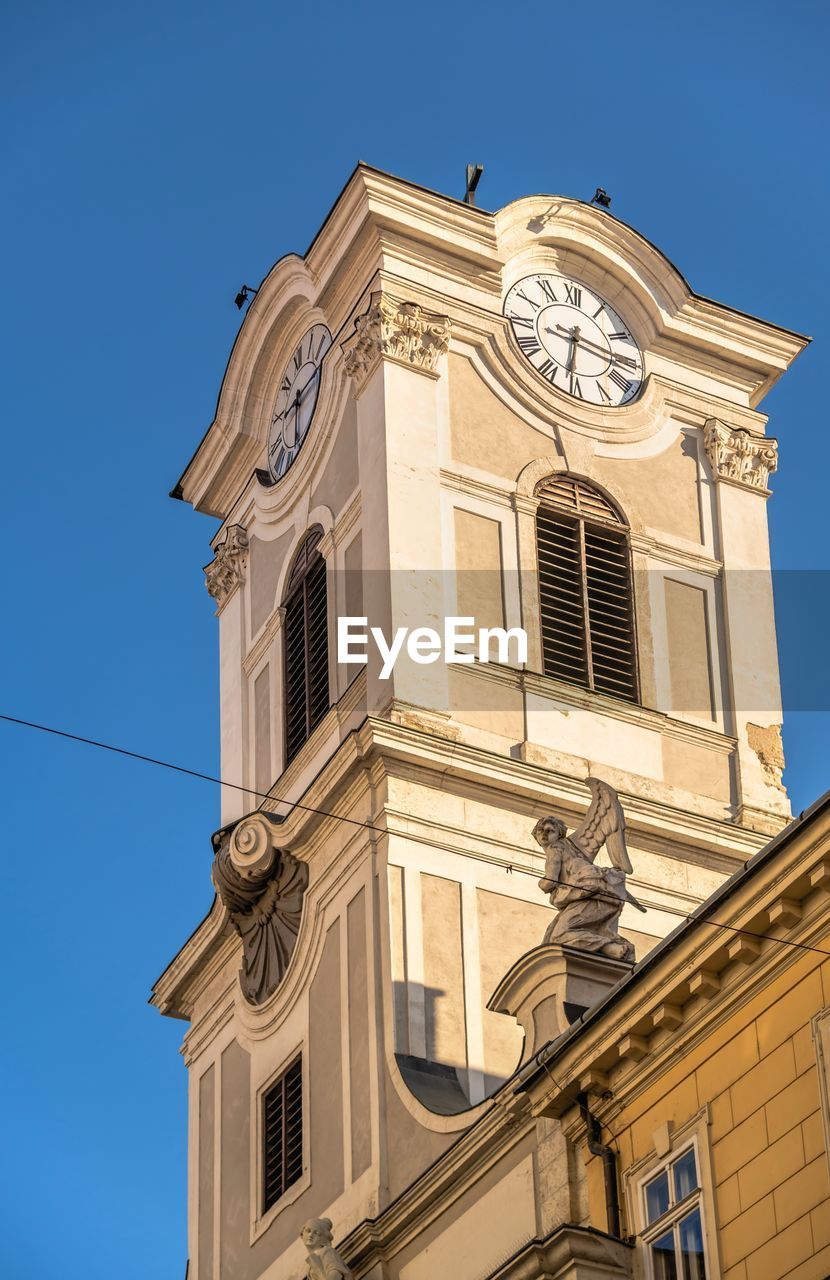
x=526, y=419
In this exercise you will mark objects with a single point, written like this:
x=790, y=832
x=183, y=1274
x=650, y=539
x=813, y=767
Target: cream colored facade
x=419, y=792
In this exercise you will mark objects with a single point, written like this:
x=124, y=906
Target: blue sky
x=157, y=156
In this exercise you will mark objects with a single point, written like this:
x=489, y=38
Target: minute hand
x=592, y=346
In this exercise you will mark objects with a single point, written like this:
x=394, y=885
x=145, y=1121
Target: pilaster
x=741, y=465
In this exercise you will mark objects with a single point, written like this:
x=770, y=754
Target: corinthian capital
x=740, y=457
x=227, y=568
x=400, y=331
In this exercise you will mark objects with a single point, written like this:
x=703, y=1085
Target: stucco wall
x=758, y=1076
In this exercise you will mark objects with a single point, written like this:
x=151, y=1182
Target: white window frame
x=693, y=1134
x=261, y=1221
x=821, y=1039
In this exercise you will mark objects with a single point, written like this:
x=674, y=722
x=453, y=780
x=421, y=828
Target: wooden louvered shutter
x=585, y=590
x=306, y=660
x=317, y=644
x=561, y=597
x=295, y=675
x=282, y=1134
x=610, y=611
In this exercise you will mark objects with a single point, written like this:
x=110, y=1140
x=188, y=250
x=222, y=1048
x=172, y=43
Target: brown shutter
x=561, y=599
x=610, y=612
x=282, y=1134
x=305, y=648
x=295, y=675
x=317, y=644
x=585, y=590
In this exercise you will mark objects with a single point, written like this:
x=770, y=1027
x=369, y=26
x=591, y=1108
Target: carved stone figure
x=262, y=887
x=227, y=569
x=588, y=899
x=401, y=331
x=323, y=1261
x=740, y=457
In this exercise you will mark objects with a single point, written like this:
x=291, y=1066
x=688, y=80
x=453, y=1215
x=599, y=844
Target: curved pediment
x=554, y=233
x=459, y=261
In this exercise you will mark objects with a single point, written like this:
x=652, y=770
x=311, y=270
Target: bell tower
x=527, y=419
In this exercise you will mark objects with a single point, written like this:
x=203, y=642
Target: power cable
x=368, y=826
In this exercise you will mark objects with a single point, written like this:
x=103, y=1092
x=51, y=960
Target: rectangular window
x=282, y=1134
x=673, y=1230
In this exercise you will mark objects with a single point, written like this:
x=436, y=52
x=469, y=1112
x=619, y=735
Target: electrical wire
x=357, y=822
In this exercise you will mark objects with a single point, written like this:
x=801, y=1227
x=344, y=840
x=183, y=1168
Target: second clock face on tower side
x=296, y=400
x=575, y=339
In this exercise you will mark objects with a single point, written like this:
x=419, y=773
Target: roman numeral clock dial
x=296, y=400
x=576, y=340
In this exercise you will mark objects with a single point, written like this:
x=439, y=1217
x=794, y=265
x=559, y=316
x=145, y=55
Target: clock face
x=575, y=339
x=296, y=400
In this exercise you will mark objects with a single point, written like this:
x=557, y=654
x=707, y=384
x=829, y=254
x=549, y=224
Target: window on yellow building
x=821, y=1038
x=673, y=1231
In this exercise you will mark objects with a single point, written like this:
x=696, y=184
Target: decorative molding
x=569, y=1250
x=399, y=331
x=668, y=554
x=704, y=983
x=263, y=641
x=226, y=570
x=474, y=487
x=262, y=888
x=740, y=457
x=785, y=912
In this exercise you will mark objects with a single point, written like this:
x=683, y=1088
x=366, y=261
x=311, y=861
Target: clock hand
x=574, y=344
x=296, y=401
x=592, y=346
x=300, y=394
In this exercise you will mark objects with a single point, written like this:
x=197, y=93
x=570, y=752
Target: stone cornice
x=382, y=224
x=496, y=1132
x=629, y=712
x=226, y=570
x=739, y=457
x=656, y=548
x=394, y=330
x=570, y=1250
x=397, y=748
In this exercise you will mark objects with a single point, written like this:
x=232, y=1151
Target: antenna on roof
x=247, y=291
x=474, y=172
x=601, y=198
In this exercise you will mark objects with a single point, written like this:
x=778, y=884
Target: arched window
x=305, y=645
x=586, y=599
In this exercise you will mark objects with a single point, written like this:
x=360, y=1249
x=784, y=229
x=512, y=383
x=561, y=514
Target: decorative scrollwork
x=262, y=887
x=739, y=456
x=400, y=331
x=227, y=569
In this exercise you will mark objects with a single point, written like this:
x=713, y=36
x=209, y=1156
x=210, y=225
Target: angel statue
x=588, y=898
x=323, y=1261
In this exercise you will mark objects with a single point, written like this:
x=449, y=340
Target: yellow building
x=707, y=1072
x=527, y=418
x=691, y=1105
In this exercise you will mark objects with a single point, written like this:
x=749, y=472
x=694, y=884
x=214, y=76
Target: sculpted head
x=548, y=830
x=316, y=1233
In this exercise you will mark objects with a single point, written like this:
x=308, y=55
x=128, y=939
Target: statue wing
x=603, y=824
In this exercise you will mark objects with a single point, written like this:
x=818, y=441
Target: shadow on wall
x=430, y=1049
